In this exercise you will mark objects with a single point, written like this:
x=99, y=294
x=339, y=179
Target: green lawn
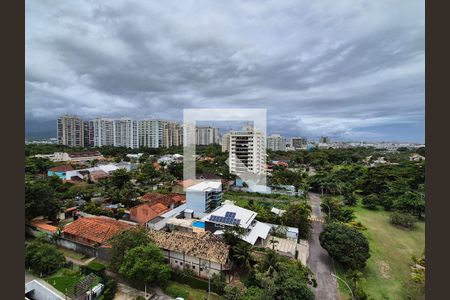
x=391, y=249
x=194, y=294
x=64, y=279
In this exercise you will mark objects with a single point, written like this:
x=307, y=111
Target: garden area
x=176, y=289
x=388, y=271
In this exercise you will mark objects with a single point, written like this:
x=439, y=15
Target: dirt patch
x=385, y=270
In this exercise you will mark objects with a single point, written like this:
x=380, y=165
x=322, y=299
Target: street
x=319, y=261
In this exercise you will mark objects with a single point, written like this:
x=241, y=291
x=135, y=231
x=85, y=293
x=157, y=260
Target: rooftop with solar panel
x=231, y=215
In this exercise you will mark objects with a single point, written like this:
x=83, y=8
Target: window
x=193, y=267
x=181, y=263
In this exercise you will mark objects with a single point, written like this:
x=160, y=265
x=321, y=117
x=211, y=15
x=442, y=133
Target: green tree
x=40, y=200
x=145, y=264
x=346, y=245
x=297, y=215
x=241, y=254
x=119, y=178
x=411, y=202
x=338, y=211
x=234, y=291
x=43, y=258
x=125, y=241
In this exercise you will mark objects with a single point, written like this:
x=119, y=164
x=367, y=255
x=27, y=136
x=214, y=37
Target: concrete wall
x=180, y=261
x=196, y=201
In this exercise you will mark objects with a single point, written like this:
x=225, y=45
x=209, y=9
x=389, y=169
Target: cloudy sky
x=352, y=70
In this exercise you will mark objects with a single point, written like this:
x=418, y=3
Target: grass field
x=64, y=279
x=391, y=249
x=194, y=294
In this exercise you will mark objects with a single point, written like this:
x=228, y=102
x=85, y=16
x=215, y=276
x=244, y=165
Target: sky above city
x=351, y=70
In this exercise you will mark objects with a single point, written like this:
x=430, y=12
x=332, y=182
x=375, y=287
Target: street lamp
x=345, y=282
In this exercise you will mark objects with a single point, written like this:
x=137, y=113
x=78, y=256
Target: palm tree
x=273, y=242
x=241, y=254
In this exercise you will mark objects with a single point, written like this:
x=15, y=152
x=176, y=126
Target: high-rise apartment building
x=247, y=152
x=276, y=142
x=172, y=134
x=125, y=133
x=226, y=142
x=103, y=132
x=298, y=142
x=206, y=136
x=150, y=133
x=88, y=133
x=324, y=140
x=70, y=131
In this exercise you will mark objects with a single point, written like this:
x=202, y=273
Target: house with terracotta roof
x=94, y=231
x=169, y=200
x=59, y=171
x=37, y=227
x=196, y=251
x=144, y=213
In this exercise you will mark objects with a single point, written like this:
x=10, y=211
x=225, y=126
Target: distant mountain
x=40, y=129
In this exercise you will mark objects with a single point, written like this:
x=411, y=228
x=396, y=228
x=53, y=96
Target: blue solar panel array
x=228, y=219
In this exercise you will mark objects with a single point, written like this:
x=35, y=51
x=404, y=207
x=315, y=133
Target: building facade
x=206, y=136
x=247, y=152
x=276, y=142
x=88, y=133
x=298, y=142
x=125, y=133
x=203, y=197
x=103, y=132
x=70, y=131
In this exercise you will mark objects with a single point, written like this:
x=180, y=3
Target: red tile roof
x=44, y=226
x=166, y=199
x=95, y=229
x=147, y=212
x=62, y=168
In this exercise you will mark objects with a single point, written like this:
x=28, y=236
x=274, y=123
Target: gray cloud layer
x=340, y=68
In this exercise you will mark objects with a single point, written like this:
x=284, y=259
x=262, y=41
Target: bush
x=371, y=201
x=404, y=220
x=110, y=290
x=176, y=291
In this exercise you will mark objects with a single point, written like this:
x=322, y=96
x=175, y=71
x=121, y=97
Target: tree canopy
x=346, y=245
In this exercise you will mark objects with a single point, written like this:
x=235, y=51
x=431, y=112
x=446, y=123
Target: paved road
x=319, y=261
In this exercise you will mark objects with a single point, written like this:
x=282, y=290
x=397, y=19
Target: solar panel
x=230, y=214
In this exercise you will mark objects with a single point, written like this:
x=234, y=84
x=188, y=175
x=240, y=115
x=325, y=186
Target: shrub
x=176, y=291
x=110, y=290
x=404, y=220
x=371, y=201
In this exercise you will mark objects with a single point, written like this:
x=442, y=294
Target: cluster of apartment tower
x=126, y=132
x=246, y=147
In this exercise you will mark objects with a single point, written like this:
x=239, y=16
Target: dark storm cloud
x=341, y=68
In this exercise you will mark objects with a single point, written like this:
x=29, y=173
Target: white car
x=179, y=298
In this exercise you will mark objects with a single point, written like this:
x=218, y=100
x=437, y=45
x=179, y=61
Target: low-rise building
x=59, y=171
x=203, y=197
x=200, y=252
x=144, y=213
x=229, y=216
